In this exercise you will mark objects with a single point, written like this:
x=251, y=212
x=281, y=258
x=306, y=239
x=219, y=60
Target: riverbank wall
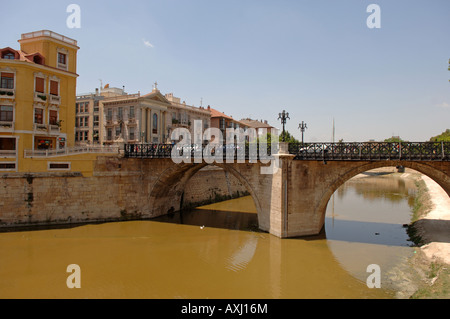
x=56, y=198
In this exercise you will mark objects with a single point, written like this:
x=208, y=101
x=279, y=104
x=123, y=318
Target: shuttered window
x=54, y=87
x=40, y=85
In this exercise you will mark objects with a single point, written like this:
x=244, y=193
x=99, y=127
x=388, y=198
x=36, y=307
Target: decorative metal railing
x=356, y=151
x=195, y=150
x=372, y=151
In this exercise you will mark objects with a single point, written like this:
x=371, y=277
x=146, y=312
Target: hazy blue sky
x=318, y=60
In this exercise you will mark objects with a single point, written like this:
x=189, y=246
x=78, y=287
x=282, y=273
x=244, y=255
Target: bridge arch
x=166, y=193
x=436, y=174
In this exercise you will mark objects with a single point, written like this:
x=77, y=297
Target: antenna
x=101, y=83
x=333, y=130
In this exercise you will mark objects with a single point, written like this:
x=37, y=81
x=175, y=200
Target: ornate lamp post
x=302, y=126
x=283, y=116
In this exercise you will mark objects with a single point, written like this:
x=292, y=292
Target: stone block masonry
x=119, y=190
x=211, y=184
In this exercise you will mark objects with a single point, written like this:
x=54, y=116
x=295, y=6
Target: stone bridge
x=292, y=201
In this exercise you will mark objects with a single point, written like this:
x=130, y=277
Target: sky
x=318, y=60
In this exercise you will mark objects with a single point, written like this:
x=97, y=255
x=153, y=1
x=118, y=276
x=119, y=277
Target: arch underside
x=166, y=194
x=426, y=168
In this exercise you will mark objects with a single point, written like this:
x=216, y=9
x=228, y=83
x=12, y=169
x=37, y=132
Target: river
x=216, y=251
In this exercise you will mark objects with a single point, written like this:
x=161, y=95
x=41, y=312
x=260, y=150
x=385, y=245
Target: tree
x=288, y=137
x=443, y=137
x=394, y=139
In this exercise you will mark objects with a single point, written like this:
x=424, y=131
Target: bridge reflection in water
x=224, y=259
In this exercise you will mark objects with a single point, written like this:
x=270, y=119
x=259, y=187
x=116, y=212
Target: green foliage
x=288, y=137
x=443, y=137
x=395, y=139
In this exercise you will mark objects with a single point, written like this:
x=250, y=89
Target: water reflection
x=207, y=253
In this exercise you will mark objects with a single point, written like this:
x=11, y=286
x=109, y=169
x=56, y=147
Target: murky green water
x=216, y=252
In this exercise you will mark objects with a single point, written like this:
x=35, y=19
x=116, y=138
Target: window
x=37, y=59
x=155, y=123
x=120, y=113
x=7, y=80
x=53, y=117
x=54, y=88
x=96, y=120
x=96, y=106
x=86, y=107
x=6, y=113
x=109, y=134
x=131, y=133
x=38, y=116
x=56, y=166
x=95, y=136
x=109, y=115
x=76, y=136
x=86, y=121
x=9, y=56
x=131, y=115
x=62, y=60
x=77, y=108
x=86, y=135
x=7, y=165
x=118, y=131
x=39, y=85
x=7, y=144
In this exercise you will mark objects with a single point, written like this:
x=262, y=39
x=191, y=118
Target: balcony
x=55, y=100
x=40, y=127
x=8, y=153
x=7, y=94
x=86, y=149
x=9, y=125
x=53, y=128
x=40, y=97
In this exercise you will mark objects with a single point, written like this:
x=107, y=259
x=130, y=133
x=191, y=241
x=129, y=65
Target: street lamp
x=302, y=126
x=283, y=116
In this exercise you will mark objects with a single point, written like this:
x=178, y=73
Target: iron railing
x=196, y=150
x=355, y=151
x=372, y=151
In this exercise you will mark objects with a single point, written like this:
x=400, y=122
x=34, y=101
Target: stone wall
x=119, y=190
x=211, y=184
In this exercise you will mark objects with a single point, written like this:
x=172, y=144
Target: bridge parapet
x=359, y=151
x=372, y=151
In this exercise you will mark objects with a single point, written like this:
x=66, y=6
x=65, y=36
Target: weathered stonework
x=292, y=202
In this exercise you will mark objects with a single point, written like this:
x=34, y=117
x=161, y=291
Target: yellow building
x=37, y=104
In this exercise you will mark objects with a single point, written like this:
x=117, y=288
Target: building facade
x=37, y=97
x=182, y=115
x=110, y=116
x=223, y=122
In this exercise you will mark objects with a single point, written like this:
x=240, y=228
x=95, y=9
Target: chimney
x=96, y=91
